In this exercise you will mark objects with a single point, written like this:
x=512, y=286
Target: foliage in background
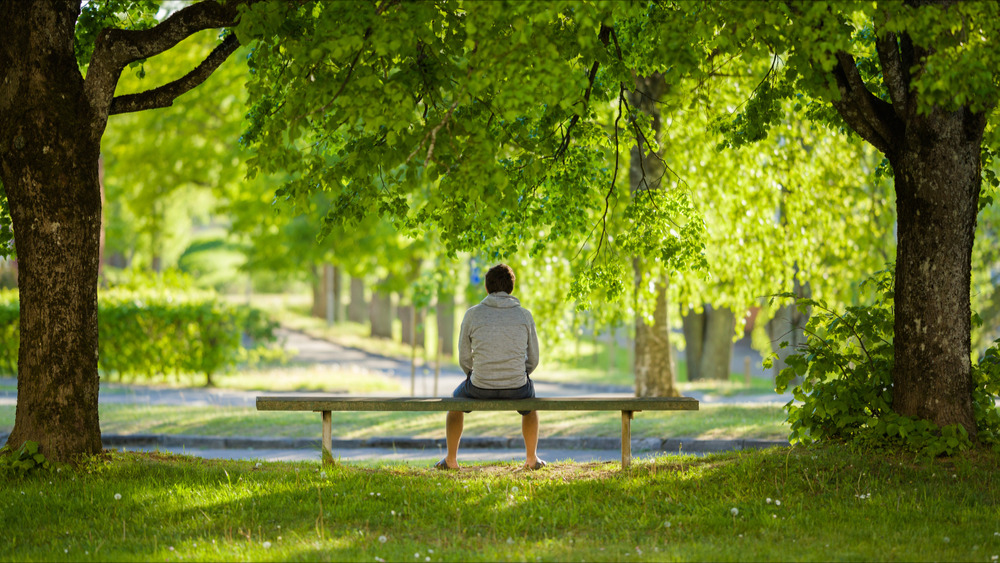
x=845, y=370
x=154, y=326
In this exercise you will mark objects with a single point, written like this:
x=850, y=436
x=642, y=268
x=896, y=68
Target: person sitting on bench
x=497, y=350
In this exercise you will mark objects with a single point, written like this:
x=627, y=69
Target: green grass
x=712, y=421
x=835, y=505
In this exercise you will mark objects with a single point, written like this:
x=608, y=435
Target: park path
x=309, y=351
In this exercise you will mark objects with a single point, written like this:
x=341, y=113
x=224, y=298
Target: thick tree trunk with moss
x=51, y=123
x=938, y=183
x=654, y=363
x=935, y=156
x=49, y=167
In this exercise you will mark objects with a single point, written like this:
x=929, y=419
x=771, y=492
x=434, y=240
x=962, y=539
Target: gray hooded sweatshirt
x=497, y=345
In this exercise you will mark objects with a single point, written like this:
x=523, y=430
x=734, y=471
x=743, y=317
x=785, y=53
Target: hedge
x=154, y=332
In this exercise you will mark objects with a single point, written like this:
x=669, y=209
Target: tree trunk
x=694, y=329
x=654, y=363
x=381, y=314
x=717, y=343
x=788, y=325
x=319, y=296
x=409, y=325
x=708, y=343
x=446, y=322
x=937, y=174
x=49, y=168
x=356, y=309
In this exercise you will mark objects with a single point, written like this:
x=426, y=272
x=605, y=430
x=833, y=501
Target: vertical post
x=437, y=364
x=413, y=352
x=328, y=283
x=327, y=437
x=626, y=439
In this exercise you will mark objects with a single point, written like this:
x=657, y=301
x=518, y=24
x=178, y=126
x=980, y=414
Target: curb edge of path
x=671, y=445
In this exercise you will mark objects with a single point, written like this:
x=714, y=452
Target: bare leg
x=453, y=432
x=529, y=429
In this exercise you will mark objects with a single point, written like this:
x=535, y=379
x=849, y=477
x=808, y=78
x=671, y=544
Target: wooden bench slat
x=319, y=403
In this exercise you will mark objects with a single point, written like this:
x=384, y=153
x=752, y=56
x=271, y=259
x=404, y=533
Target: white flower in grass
x=118, y=496
x=777, y=502
x=514, y=489
x=379, y=559
x=382, y=539
x=994, y=557
x=510, y=541
x=768, y=500
x=734, y=511
x=666, y=524
x=257, y=464
x=947, y=539
x=416, y=555
x=267, y=545
x=171, y=548
x=322, y=474
x=427, y=558
x=430, y=551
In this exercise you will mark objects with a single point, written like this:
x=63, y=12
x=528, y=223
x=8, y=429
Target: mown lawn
x=819, y=504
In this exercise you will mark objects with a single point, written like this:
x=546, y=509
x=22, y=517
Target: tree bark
x=411, y=326
x=938, y=181
x=717, y=347
x=319, y=296
x=654, y=362
x=446, y=322
x=935, y=157
x=49, y=168
x=51, y=123
x=694, y=329
x=381, y=314
x=708, y=343
x=356, y=309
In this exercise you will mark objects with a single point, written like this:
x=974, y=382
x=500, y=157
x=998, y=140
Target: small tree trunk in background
x=381, y=314
x=332, y=310
x=694, y=328
x=788, y=325
x=411, y=326
x=708, y=341
x=654, y=361
x=717, y=347
x=357, y=308
x=446, y=322
x=319, y=296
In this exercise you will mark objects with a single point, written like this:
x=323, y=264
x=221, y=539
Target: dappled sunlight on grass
x=346, y=379
x=806, y=504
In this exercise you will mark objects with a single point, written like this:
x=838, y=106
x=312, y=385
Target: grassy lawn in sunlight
x=804, y=504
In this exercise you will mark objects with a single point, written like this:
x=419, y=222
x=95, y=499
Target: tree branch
x=116, y=48
x=164, y=96
x=894, y=74
x=869, y=116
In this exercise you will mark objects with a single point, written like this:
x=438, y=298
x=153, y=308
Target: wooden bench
x=326, y=404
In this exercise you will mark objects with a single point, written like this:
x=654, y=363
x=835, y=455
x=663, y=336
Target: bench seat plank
x=320, y=403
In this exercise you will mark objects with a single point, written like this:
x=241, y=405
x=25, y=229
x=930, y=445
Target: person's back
x=498, y=347
x=498, y=350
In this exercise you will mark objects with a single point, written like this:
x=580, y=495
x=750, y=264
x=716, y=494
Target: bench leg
x=327, y=437
x=626, y=439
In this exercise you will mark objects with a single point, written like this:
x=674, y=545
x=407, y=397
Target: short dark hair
x=500, y=278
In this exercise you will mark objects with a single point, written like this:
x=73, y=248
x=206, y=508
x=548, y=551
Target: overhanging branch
x=164, y=96
x=869, y=116
x=116, y=48
x=894, y=74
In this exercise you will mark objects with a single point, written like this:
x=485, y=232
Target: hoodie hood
x=501, y=300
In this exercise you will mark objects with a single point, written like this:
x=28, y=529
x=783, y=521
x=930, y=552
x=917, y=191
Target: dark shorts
x=466, y=390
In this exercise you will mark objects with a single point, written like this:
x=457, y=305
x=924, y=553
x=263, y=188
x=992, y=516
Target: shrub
x=846, y=381
x=145, y=333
